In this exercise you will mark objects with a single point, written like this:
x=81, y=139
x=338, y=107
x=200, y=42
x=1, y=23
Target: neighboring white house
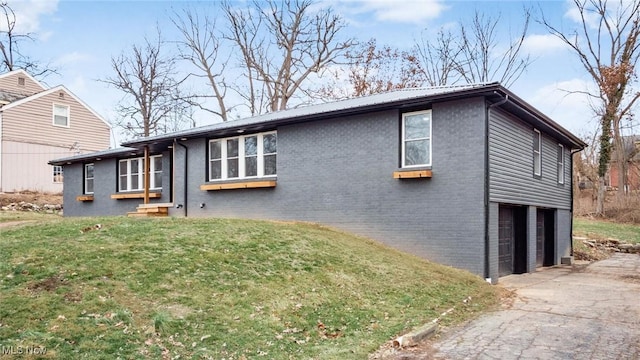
x=38, y=124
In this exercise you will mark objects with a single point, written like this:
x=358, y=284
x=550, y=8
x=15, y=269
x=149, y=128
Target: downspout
x=186, y=172
x=487, y=240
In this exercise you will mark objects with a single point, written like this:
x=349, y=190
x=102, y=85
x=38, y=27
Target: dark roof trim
x=542, y=120
x=97, y=156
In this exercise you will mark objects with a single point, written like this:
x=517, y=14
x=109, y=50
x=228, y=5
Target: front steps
x=151, y=210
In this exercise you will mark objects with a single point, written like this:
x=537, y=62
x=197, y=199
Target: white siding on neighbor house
x=25, y=167
x=511, y=178
x=10, y=83
x=32, y=122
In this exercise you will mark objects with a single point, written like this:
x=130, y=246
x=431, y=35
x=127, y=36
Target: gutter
x=186, y=173
x=487, y=240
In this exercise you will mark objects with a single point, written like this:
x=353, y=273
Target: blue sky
x=81, y=37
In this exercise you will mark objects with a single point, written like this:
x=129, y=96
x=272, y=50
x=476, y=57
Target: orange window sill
x=84, y=198
x=413, y=174
x=239, y=185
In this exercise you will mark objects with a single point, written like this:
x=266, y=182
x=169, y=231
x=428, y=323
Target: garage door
x=506, y=237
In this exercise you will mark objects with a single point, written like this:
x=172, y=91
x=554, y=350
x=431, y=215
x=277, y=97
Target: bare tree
x=147, y=77
x=608, y=50
x=201, y=46
x=373, y=69
x=473, y=53
x=281, y=46
x=10, y=40
x=439, y=60
x=482, y=61
x=469, y=53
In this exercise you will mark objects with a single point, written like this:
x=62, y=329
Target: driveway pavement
x=558, y=313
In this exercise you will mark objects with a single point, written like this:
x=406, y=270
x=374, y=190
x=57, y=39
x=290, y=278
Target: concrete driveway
x=591, y=312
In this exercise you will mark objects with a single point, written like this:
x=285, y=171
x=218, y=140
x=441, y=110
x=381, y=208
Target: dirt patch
x=422, y=351
x=14, y=223
x=31, y=197
x=631, y=278
x=73, y=297
x=48, y=284
x=591, y=254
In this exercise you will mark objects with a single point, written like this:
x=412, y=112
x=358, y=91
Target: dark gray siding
x=105, y=184
x=511, y=166
x=563, y=234
x=339, y=172
x=494, y=250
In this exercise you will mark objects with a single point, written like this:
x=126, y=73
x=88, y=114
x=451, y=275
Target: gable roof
x=11, y=94
x=50, y=91
x=399, y=99
x=24, y=73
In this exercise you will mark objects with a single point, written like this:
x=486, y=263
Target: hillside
x=168, y=288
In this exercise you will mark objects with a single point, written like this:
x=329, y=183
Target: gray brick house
x=470, y=176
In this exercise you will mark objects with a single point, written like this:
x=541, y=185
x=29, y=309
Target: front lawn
x=208, y=288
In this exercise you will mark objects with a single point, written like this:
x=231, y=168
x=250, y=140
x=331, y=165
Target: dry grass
x=622, y=210
x=33, y=197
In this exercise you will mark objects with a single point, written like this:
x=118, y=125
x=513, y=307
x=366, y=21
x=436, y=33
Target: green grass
x=7, y=216
x=208, y=288
x=601, y=229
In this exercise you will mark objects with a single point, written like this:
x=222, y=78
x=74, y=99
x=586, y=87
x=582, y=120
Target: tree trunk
x=600, y=197
x=621, y=159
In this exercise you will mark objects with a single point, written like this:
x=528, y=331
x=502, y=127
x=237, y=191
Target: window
x=61, y=115
x=20, y=81
x=537, y=153
x=58, y=175
x=243, y=157
x=560, y=164
x=131, y=174
x=88, y=178
x=156, y=171
x=416, y=139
